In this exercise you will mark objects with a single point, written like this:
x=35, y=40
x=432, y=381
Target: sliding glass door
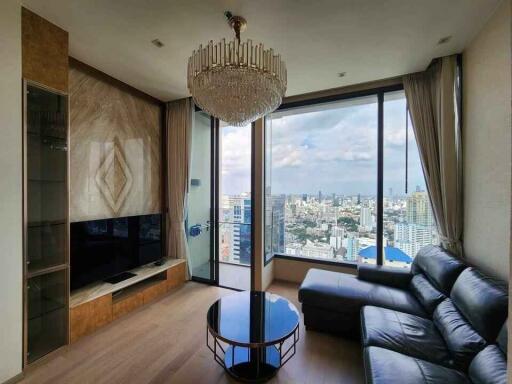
x=234, y=206
x=219, y=219
x=200, y=218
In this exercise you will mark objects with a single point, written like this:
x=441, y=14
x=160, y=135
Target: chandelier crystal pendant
x=236, y=82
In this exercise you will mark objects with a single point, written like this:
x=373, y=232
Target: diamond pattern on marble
x=114, y=178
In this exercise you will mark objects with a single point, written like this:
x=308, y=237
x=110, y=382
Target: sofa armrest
x=394, y=277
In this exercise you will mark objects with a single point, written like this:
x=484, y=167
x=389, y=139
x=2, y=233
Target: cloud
x=333, y=150
x=235, y=159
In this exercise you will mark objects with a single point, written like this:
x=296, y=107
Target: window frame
x=379, y=92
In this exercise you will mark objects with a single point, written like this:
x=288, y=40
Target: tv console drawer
x=127, y=304
x=88, y=317
x=154, y=291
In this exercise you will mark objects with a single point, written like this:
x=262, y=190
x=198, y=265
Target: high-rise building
x=336, y=238
x=418, y=209
x=235, y=229
x=365, y=218
x=418, y=230
x=410, y=238
x=351, y=244
x=278, y=220
x=320, y=197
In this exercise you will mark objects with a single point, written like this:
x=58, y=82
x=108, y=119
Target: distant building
x=392, y=256
x=366, y=219
x=317, y=250
x=410, y=238
x=418, y=209
x=352, y=247
x=418, y=230
x=235, y=229
x=278, y=223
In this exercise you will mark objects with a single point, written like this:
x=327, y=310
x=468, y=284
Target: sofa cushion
x=428, y=295
x=439, y=266
x=383, y=366
x=489, y=366
x=461, y=339
x=341, y=292
x=401, y=332
x=482, y=300
x=381, y=274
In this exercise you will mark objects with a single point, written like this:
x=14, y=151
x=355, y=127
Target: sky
x=333, y=150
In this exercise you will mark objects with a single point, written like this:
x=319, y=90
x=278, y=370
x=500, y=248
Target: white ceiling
x=368, y=39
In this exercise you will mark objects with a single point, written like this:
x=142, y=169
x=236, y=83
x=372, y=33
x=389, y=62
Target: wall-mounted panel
x=115, y=147
x=44, y=52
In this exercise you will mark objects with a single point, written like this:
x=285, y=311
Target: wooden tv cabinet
x=98, y=304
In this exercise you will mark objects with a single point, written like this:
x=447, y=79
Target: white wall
x=10, y=191
x=295, y=271
x=487, y=144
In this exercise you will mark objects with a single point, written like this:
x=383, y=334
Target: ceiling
x=367, y=39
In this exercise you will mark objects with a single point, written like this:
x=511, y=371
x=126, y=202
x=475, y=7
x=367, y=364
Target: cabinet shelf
x=55, y=306
x=36, y=224
x=46, y=181
x=42, y=136
x=33, y=272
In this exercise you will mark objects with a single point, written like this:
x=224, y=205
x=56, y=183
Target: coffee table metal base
x=253, y=364
x=262, y=366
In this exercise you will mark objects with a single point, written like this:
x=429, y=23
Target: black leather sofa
x=440, y=322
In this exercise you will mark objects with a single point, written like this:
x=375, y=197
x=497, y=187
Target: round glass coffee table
x=254, y=334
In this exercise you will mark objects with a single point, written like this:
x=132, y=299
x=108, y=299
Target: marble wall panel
x=115, y=148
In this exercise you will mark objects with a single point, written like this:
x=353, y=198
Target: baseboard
x=14, y=379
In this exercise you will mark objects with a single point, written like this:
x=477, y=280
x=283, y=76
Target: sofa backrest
x=439, y=266
x=435, y=271
x=482, y=300
x=473, y=315
x=490, y=365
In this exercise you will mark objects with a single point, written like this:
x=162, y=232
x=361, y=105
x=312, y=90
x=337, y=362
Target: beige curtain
x=431, y=96
x=179, y=134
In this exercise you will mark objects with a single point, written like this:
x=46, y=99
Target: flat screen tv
x=101, y=249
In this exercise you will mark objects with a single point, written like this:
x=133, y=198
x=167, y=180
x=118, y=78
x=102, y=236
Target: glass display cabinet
x=46, y=229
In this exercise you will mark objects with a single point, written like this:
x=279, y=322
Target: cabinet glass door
x=46, y=179
x=46, y=221
x=47, y=314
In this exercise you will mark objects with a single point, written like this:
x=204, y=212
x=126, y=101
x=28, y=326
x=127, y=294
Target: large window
x=323, y=187
x=408, y=221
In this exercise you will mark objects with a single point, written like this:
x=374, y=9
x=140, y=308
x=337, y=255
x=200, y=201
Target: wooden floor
x=164, y=342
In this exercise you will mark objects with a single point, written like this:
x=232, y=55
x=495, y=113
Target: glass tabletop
x=252, y=318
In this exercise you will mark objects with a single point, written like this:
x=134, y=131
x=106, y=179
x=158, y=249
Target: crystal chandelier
x=237, y=82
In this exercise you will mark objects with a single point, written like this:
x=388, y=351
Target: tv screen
x=104, y=248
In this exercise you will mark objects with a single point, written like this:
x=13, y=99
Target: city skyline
x=332, y=227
